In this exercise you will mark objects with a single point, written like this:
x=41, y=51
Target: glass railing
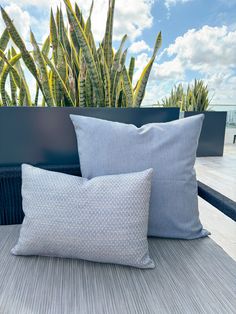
x=231, y=120
x=231, y=113
x=230, y=123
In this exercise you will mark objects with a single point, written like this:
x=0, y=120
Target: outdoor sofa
x=191, y=276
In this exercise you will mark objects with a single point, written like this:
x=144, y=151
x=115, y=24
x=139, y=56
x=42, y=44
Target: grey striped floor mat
x=190, y=277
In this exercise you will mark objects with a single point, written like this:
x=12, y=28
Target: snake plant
x=195, y=98
x=69, y=68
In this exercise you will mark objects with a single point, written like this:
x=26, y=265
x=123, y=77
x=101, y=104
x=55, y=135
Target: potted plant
x=72, y=75
x=194, y=101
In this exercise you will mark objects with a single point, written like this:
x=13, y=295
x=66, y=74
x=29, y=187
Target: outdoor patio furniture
x=191, y=276
x=194, y=276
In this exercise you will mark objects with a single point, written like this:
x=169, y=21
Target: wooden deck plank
x=220, y=174
x=222, y=228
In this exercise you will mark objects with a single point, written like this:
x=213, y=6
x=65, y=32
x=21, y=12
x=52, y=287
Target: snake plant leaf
x=131, y=68
x=127, y=87
x=79, y=15
x=21, y=97
x=73, y=35
x=63, y=36
x=87, y=53
x=62, y=69
x=52, y=85
x=4, y=39
x=117, y=59
x=123, y=58
x=20, y=78
x=53, y=36
x=72, y=84
x=8, y=100
x=81, y=86
x=13, y=88
x=74, y=39
x=60, y=80
x=16, y=77
x=13, y=51
x=106, y=78
x=46, y=46
x=43, y=102
x=74, y=63
x=6, y=70
x=89, y=91
x=91, y=41
x=118, y=53
x=142, y=83
x=117, y=80
x=108, y=34
x=60, y=24
x=8, y=62
x=56, y=90
x=91, y=10
x=157, y=45
x=29, y=62
x=121, y=99
x=4, y=58
x=36, y=99
x=62, y=66
x=25, y=88
x=67, y=45
x=42, y=70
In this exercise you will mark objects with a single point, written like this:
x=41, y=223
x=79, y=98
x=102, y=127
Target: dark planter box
x=46, y=136
x=211, y=142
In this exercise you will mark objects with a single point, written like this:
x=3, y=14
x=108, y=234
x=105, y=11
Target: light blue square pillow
x=169, y=148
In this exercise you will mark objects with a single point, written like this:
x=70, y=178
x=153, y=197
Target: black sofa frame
x=11, y=201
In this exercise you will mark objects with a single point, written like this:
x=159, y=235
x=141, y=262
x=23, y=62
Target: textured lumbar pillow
x=169, y=148
x=104, y=219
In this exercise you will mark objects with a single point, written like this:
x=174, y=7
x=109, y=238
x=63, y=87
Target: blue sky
x=199, y=38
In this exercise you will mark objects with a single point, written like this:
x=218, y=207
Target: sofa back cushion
x=107, y=148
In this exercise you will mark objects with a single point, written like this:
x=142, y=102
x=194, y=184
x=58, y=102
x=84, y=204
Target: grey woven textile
x=104, y=219
x=107, y=147
x=194, y=276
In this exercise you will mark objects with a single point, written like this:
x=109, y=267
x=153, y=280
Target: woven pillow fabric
x=107, y=148
x=104, y=219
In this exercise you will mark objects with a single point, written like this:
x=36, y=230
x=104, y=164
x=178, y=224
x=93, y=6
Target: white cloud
x=209, y=49
x=209, y=53
x=21, y=19
x=139, y=46
x=222, y=87
x=168, y=70
x=131, y=16
x=169, y=3
x=38, y=3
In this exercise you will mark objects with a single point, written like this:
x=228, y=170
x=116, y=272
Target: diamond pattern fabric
x=104, y=219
